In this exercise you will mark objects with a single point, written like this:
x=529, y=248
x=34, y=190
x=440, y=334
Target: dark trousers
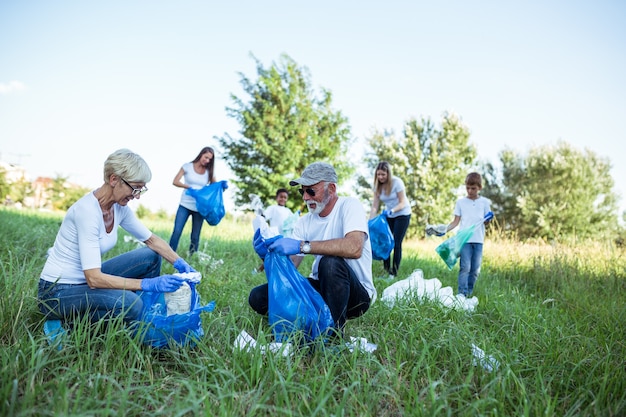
x=398, y=226
x=339, y=286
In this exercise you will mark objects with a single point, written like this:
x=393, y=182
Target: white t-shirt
x=194, y=180
x=347, y=216
x=82, y=240
x=276, y=216
x=392, y=200
x=472, y=212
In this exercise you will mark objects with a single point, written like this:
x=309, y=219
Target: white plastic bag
x=179, y=301
x=488, y=362
x=417, y=287
x=259, y=221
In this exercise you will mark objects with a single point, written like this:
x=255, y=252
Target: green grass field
x=554, y=316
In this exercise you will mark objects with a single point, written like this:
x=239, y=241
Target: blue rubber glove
x=259, y=244
x=488, y=217
x=285, y=246
x=388, y=213
x=164, y=283
x=181, y=266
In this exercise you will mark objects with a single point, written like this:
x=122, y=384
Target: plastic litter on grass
x=55, y=332
x=488, y=362
x=415, y=286
x=247, y=343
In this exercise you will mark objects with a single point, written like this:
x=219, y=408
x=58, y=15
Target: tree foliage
x=432, y=161
x=64, y=194
x=20, y=189
x=285, y=126
x=5, y=186
x=554, y=191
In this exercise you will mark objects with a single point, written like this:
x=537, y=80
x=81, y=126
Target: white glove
x=436, y=229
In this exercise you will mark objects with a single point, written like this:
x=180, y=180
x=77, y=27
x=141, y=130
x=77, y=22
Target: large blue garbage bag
x=381, y=237
x=294, y=305
x=210, y=201
x=159, y=330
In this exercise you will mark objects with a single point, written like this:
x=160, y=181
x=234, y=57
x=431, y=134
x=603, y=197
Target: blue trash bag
x=157, y=329
x=210, y=201
x=294, y=305
x=381, y=237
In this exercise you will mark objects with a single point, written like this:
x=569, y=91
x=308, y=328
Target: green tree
x=64, y=194
x=501, y=187
x=20, y=189
x=432, y=162
x=5, y=187
x=555, y=191
x=285, y=126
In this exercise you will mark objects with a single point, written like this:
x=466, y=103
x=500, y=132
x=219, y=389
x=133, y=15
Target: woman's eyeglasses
x=309, y=191
x=136, y=191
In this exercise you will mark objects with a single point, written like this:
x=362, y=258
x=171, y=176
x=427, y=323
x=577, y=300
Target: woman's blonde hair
x=386, y=187
x=128, y=165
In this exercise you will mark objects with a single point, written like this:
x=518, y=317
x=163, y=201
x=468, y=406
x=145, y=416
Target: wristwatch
x=305, y=247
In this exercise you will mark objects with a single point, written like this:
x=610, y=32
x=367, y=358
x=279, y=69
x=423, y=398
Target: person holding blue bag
x=76, y=282
x=390, y=190
x=196, y=174
x=335, y=232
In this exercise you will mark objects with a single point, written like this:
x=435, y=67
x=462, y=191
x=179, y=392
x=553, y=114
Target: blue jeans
x=182, y=214
x=339, y=286
x=68, y=301
x=471, y=258
x=398, y=226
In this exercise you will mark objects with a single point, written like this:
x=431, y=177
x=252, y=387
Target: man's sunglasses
x=309, y=191
x=136, y=191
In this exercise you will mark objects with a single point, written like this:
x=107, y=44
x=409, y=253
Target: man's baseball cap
x=314, y=173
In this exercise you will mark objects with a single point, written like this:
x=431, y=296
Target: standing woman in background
x=390, y=190
x=197, y=174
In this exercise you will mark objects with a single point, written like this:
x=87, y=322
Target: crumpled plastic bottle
x=256, y=204
x=436, y=229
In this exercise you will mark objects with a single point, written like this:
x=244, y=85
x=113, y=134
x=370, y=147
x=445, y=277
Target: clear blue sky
x=79, y=79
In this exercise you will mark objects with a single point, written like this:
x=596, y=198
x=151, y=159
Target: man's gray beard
x=319, y=207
